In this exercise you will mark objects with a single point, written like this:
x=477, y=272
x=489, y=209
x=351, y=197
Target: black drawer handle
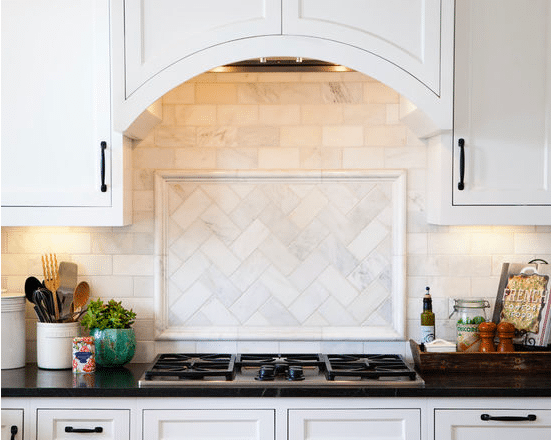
x=71, y=429
x=13, y=432
x=103, y=185
x=528, y=418
x=461, y=184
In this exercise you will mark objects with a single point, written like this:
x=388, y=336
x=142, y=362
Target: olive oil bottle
x=427, y=319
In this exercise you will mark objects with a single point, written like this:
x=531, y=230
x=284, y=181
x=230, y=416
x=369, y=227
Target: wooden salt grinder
x=505, y=333
x=487, y=332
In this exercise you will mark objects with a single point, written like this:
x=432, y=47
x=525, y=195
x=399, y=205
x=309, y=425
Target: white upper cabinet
x=161, y=44
x=404, y=33
x=502, y=117
x=160, y=33
x=54, y=81
x=503, y=102
x=61, y=164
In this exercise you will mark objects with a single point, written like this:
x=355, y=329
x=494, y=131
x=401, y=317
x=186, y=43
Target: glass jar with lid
x=469, y=313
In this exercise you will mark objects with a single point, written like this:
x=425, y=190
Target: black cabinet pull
x=71, y=429
x=461, y=184
x=529, y=418
x=13, y=432
x=103, y=185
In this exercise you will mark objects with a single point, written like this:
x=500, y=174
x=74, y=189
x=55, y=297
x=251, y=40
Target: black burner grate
x=257, y=360
x=305, y=369
x=268, y=367
x=192, y=366
x=367, y=366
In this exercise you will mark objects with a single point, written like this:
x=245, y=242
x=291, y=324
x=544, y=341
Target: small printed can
x=84, y=358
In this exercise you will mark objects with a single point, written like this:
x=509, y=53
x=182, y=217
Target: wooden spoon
x=81, y=295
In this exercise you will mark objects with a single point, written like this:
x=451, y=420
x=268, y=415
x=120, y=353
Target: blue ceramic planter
x=114, y=347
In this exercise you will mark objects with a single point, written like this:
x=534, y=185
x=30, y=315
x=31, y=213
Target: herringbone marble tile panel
x=279, y=254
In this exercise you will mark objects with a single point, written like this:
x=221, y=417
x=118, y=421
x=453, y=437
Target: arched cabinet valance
x=406, y=45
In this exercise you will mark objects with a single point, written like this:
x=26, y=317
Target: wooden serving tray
x=461, y=362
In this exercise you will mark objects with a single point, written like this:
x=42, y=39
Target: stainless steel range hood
x=282, y=64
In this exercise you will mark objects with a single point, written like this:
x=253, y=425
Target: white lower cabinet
x=278, y=418
x=219, y=424
x=492, y=424
x=104, y=424
x=356, y=424
x=12, y=424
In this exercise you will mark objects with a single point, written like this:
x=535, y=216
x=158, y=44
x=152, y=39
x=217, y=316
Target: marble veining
x=255, y=255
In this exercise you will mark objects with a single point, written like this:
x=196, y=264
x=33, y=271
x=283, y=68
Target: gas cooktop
x=288, y=370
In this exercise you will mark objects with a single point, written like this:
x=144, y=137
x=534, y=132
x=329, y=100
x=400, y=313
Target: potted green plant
x=111, y=326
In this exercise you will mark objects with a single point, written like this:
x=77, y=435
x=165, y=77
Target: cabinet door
x=404, y=33
x=454, y=424
x=11, y=418
x=208, y=424
x=160, y=33
x=55, y=103
x=502, y=105
x=56, y=424
x=355, y=424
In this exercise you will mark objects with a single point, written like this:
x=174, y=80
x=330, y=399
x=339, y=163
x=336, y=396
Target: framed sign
x=523, y=300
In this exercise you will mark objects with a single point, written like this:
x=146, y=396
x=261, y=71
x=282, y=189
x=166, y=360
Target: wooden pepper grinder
x=505, y=333
x=487, y=332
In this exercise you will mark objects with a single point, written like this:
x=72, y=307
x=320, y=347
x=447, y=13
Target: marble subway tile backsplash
x=291, y=121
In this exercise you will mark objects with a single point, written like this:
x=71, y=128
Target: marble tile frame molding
x=391, y=329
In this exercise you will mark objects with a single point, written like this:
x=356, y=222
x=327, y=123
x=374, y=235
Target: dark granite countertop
x=34, y=382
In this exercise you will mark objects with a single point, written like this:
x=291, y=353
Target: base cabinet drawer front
x=57, y=424
x=208, y=424
x=12, y=424
x=492, y=424
x=355, y=424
